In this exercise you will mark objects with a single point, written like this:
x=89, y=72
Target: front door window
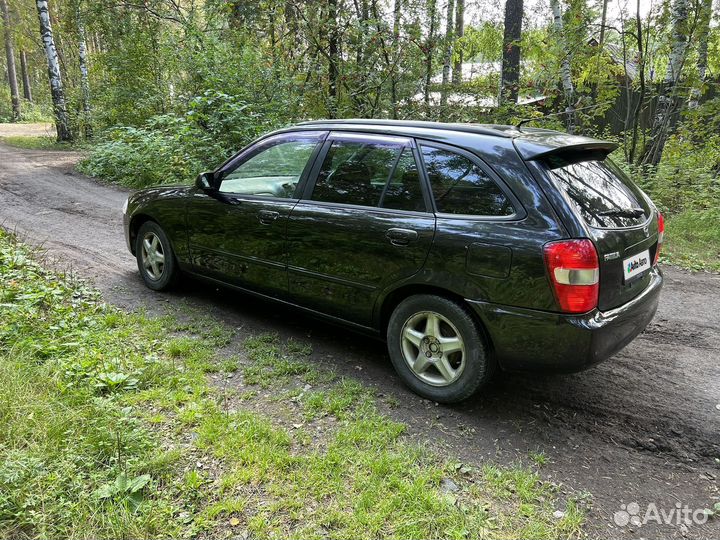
x=272, y=171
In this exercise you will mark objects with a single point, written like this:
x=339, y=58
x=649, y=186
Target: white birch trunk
x=54, y=74
x=84, y=75
x=666, y=100
x=448, y=54
x=565, y=72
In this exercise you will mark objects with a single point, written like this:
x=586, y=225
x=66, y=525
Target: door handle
x=266, y=217
x=401, y=237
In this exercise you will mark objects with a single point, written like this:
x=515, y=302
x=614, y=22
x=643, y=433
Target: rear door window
x=370, y=173
x=601, y=193
x=460, y=186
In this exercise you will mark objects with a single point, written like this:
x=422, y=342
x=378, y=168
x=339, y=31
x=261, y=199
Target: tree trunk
x=459, y=32
x=397, y=11
x=704, y=32
x=642, y=86
x=84, y=76
x=448, y=54
x=27, y=89
x=54, y=75
x=601, y=43
x=510, y=75
x=429, y=49
x=10, y=55
x=333, y=51
x=565, y=72
x=666, y=99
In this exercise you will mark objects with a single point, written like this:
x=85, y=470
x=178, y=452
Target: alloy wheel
x=153, y=256
x=433, y=348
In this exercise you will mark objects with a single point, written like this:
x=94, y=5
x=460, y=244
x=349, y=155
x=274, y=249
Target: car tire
x=156, y=259
x=438, y=349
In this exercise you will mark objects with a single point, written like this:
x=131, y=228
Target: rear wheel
x=437, y=348
x=155, y=257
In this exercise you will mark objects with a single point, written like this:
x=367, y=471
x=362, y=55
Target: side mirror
x=205, y=181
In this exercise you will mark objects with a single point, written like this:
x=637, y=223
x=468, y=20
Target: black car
x=469, y=247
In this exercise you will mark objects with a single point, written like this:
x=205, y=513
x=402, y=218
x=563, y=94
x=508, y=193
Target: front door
x=237, y=233
x=361, y=226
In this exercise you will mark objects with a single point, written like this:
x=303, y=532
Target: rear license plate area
x=636, y=266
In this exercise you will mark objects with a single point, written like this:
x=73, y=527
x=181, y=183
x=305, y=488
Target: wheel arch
x=136, y=221
x=394, y=297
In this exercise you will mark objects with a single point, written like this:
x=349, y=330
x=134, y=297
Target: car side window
x=274, y=171
x=370, y=173
x=460, y=186
x=403, y=191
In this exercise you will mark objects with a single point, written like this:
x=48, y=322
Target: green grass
x=692, y=240
x=110, y=427
x=36, y=143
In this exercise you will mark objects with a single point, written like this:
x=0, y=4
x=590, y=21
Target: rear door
x=361, y=226
x=619, y=218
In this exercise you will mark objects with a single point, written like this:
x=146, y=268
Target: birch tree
x=84, y=75
x=10, y=56
x=565, y=71
x=447, y=63
x=429, y=50
x=54, y=75
x=459, y=33
x=702, y=61
x=666, y=100
x=510, y=74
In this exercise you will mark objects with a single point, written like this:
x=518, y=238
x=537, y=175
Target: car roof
x=531, y=143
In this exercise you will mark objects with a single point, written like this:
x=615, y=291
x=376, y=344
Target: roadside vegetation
x=116, y=425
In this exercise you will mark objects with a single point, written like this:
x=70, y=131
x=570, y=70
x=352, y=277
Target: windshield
x=602, y=194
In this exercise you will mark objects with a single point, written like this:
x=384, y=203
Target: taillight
x=661, y=237
x=575, y=274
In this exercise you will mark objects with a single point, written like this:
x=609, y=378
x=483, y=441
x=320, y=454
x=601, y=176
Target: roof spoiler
x=543, y=145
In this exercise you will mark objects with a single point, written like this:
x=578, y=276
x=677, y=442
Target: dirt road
x=642, y=427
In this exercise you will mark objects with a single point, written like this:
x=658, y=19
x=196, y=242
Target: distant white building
x=470, y=71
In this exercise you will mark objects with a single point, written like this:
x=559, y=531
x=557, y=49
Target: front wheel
x=155, y=257
x=437, y=348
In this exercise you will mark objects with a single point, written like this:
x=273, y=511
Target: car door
x=237, y=232
x=362, y=224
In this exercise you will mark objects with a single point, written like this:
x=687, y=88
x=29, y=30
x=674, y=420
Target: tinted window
x=357, y=172
x=459, y=186
x=403, y=191
x=601, y=194
x=273, y=171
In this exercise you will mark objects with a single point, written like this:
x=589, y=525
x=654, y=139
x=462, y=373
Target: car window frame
x=405, y=141
x=259, y=146
x=519, y=210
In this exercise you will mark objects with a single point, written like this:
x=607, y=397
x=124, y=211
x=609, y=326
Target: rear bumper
x=530, y=340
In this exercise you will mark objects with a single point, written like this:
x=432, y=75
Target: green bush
x=173, y=148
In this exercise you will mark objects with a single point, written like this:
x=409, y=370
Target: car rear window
x=601, y=193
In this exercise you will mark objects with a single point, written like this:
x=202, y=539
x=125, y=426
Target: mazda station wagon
x=469, y=248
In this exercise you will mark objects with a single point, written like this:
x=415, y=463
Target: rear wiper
x=623, y=212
